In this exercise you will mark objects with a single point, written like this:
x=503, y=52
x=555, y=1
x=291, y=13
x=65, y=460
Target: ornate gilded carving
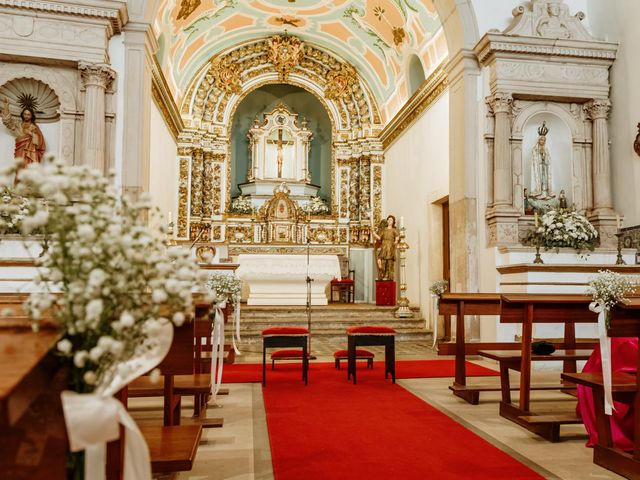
x=216, y=196
x=208, y=191
x=187, y=7
x=340, y=82
x=240, y=233
x=377, y=194
x=287, y=250
x=285, y=53
x=226, y=75
x=183, y=197
x=344, y=192
x=322, y=234
x=197, y=170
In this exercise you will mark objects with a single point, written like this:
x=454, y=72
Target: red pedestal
x=385, y=293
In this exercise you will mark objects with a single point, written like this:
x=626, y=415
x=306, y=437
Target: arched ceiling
x=376, y=36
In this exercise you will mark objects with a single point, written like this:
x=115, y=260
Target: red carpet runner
x=333, y=429
x=252, y=372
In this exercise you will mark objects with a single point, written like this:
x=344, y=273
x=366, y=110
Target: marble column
x=140, y=46
x=501, y=104
x=96, y=78
x=598, y=111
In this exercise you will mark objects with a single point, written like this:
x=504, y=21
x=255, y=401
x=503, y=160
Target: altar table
x=281, y=279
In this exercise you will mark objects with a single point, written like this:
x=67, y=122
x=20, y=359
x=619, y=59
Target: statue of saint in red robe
x=30, y=145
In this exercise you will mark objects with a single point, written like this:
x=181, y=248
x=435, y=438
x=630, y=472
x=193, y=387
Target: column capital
x=598, y=109
x=96, y=74
x=500, y=102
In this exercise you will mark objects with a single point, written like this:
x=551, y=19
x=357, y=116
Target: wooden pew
x=528, y=309
x=625, y=322
x=30, y=384
x=460, y=305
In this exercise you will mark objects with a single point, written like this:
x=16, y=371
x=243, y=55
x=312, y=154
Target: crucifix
x=280, y=143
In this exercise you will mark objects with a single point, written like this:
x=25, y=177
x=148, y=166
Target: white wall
x=617, y=21
x=416, y=175
x=164, y=166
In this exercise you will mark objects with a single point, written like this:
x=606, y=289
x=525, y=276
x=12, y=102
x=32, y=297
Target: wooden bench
x=172, y=449
x=545, y=425
x=624, y=322
x=481, y=304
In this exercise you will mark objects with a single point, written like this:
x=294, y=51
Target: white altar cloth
x=280, y=279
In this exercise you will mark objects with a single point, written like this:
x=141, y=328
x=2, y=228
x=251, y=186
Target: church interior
x=318, y=239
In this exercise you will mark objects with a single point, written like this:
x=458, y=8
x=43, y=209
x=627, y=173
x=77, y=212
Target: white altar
x=281, y=279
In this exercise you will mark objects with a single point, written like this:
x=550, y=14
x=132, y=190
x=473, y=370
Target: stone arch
x=218, y=85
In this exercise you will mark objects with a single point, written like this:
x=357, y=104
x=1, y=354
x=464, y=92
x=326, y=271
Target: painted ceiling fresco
x=376, y=36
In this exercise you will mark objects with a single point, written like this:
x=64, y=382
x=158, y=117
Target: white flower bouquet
x=241, y=205
x=439, y=287
x=106, y=279
x=566, y=228
x=315, y=206
x=225, y=287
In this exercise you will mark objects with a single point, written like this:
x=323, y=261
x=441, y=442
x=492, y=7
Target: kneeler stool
x=365, y=336
x=286, y=337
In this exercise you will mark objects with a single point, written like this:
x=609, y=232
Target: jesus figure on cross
x=280, y=143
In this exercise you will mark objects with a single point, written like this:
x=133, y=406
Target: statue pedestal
x=385, y=293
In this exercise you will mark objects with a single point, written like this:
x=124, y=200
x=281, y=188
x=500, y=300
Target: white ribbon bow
x=217, y=351
x=434, y=315
x=605, y=355
x=236, y=324
x=93, y=419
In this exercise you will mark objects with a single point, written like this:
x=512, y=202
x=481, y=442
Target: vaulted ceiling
x=378, y=37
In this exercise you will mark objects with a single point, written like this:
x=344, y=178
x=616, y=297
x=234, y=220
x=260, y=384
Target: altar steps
x=330, y=321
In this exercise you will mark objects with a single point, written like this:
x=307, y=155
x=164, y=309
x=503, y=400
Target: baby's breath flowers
x=225, y=287
x=608, y=289
x=106, y=278
x=438, y=287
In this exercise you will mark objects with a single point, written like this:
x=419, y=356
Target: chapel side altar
x=281, y=279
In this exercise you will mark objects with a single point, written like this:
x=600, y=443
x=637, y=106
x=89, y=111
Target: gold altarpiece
x=204, y=152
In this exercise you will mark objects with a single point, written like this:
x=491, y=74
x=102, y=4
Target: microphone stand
x=309, y=280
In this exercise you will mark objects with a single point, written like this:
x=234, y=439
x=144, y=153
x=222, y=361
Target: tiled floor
x=240, y=450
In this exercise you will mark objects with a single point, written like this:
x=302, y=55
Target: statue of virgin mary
x=541, y=184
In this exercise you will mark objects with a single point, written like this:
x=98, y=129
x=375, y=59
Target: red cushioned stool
x=360, y=355
x=283, y=337
x=367, y=336
x=287, y=355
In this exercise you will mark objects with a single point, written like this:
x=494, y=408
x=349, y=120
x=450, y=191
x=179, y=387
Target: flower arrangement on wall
x=316, y=206
x=241, y=204
x=564, y=228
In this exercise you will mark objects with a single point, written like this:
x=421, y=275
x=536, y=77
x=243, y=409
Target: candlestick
x=401, y=222
x=169, y=218
x=617, y=221
x=535, y=216
x=403, y=303
x=619, y=259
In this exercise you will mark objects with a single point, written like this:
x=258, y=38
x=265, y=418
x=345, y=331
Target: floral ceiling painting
x=376, y=36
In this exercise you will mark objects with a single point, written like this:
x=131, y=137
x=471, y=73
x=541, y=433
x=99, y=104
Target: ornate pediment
x=548, y=19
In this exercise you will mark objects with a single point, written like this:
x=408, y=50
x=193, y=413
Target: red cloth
x=624, y=358
x=276, y=331
x=370, y=330
x=27, y=150
x=359, y=353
